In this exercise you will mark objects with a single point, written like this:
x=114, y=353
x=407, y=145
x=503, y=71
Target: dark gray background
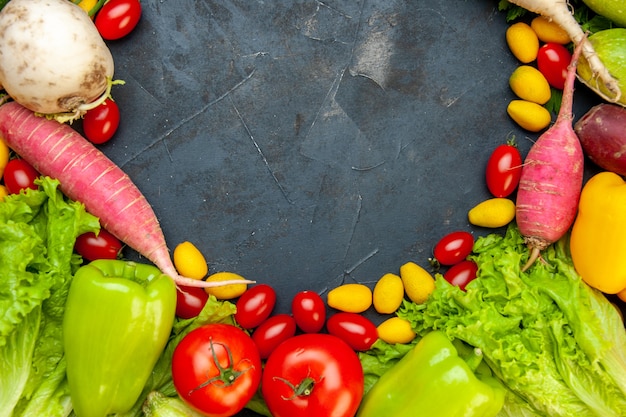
x=305, y=143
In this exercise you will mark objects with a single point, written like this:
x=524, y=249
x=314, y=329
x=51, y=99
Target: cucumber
x=610, y=45
x=614, y=10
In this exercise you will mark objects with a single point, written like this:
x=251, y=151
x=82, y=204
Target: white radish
x=52, y=58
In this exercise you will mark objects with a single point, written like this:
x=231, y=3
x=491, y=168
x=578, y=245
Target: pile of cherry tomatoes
x=305, y=372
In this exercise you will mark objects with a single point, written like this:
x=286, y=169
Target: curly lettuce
x=558, y=345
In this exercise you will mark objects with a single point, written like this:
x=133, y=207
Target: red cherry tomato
x=461, y=274
x=216, y=369
x=272, y=332
x=552, y=61
x=255, y=306
x=504, y=169
x=19, y=175
x=453, y=247
x=102, y=246
x=117, y=18
x=309, y=311
x=356, y=330
x=190, y=301
x=101, y=123
x=313, y=375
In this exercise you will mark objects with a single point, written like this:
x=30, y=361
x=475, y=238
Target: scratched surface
x=309, y=143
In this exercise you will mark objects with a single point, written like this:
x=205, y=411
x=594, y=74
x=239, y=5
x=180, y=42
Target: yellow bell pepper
x=598, y=238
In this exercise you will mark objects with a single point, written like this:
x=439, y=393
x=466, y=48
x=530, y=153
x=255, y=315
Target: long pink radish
x=559, y=12
x=86, y=175
x=552, y=177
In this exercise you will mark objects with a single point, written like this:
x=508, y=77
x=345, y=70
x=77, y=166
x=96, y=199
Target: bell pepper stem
x=473, y=356
x=475, y=359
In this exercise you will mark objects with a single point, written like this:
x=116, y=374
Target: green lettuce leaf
x=15, y=361
x=557, y=344
x=38, y=229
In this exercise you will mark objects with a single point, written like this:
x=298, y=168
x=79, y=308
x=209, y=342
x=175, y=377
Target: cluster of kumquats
x=540, y=47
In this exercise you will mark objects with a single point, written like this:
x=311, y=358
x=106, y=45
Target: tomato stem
x=434, y=264
x=511, y=140
x=227, y=375
x=304, y=388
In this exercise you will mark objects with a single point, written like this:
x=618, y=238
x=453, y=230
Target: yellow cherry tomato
x=189, y=261
x=4, y=155
x=226, y=292
x=3, y=192
x=549, y=31
x=523, y=42
x=396, y=330
x=530, y=116
x=418, y=282
x=388, y=294
x=351, y=298
x=494, y=212
x=528, y=83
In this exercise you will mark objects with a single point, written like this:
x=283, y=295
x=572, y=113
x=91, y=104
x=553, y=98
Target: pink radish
x=552, y=177
x=559, y=12
x=87, y=175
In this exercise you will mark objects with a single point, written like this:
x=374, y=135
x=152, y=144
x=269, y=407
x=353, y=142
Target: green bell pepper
x=118, y=318
x=433, y=380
